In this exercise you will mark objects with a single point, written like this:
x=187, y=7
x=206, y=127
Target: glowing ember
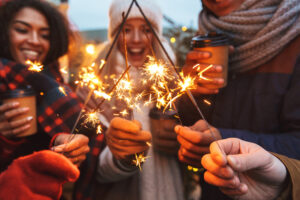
x=200, y=72
x=34, y=66
x=99, y=129
x=139, y=160
x=92, y=118
x=207, y=102
x=62, y=90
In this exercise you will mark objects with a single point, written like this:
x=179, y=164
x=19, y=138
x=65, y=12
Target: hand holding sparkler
x=74, y=149
x=126, y=138
x=206, y=73
x=195, y=141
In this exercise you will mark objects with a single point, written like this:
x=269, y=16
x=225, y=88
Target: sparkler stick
x=190, y=95
x=114, y=87
x=117, y=35
x=86, y=101
x=165, y=85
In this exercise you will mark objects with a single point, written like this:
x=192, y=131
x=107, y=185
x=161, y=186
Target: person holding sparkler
x=245, y=171
x=260, y=102
x=34, y=31
x=118, y=177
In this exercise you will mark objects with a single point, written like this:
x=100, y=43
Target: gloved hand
x=37, y=176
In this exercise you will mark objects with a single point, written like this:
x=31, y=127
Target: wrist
x=125, y=164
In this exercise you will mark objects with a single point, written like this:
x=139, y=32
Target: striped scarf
x=259, y=30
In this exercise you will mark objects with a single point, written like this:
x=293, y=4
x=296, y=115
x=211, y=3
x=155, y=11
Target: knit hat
x=149, y=7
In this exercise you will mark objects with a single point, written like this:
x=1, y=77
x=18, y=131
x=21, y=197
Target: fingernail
x=206, y=54
x=219, y=68
x=57, y=149
x=25, y=109
x=15, y=103
x=29, y=118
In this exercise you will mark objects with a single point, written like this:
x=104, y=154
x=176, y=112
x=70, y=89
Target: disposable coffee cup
x=218, y=45
x=26, y=98
x=160, y=119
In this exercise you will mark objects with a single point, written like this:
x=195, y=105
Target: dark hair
x=59, y=28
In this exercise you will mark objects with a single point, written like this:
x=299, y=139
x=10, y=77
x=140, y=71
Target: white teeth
x=31, y=53
x=136, y=50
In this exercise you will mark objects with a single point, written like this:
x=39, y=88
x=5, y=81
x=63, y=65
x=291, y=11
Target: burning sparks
x=200, y=72
x=207, y=102
x=99, y=129
x=139, y=160
x=62, y=90
x=90, y=49
x=92, y=119
x=34, y=66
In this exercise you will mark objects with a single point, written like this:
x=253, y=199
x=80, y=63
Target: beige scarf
x=258, y=30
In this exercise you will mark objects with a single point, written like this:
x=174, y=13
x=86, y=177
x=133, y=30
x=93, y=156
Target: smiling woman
x=29, y=37
x=116, y=176
x=34, y=30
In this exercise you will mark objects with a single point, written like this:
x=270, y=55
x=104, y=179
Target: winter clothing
x=118, y=7
x=56, y=111
x=22, y=180
x=260, y=103
x=259, y=30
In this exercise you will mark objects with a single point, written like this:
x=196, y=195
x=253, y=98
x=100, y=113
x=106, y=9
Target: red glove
x=37, y=176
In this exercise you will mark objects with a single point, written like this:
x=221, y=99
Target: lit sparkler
x=62, y=90
x=34, y=66
x=200, y=72
x=139, y=159
x=92, y=118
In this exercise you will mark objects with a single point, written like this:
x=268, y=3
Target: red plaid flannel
x=56, y=112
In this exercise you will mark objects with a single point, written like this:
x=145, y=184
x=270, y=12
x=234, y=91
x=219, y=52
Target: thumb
x=245, y=162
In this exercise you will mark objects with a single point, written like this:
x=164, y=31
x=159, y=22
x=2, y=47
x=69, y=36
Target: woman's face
x=222, y=7
x=138, y=40
x=29, y=36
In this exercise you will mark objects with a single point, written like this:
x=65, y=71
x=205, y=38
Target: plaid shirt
x=56, y=110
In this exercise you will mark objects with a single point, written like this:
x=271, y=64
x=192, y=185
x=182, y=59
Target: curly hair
x=59, y=27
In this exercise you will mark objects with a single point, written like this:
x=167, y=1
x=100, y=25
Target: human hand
x=73, y=146
x=244, y=170
x=164, y=139
x=195, y=141
x=11, y=123
x=194, y=58
x=126, y=138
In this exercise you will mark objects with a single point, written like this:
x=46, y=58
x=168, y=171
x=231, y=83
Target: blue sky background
x=93, y=14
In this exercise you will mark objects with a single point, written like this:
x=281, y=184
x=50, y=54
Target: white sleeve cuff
x=110, y=170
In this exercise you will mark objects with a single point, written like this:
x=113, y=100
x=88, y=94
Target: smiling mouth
x=134, y=52
x=31, y=54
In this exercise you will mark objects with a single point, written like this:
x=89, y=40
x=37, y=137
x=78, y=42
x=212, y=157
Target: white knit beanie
x=149, y=7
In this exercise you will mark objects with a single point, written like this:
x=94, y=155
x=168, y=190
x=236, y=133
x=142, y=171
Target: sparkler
x=188, y=92
x=89, y=80
x=139, y=159
x=62, y=90
x=200, y=72
x=34, y=66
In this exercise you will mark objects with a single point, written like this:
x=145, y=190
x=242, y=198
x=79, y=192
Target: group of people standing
x=256, y=113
